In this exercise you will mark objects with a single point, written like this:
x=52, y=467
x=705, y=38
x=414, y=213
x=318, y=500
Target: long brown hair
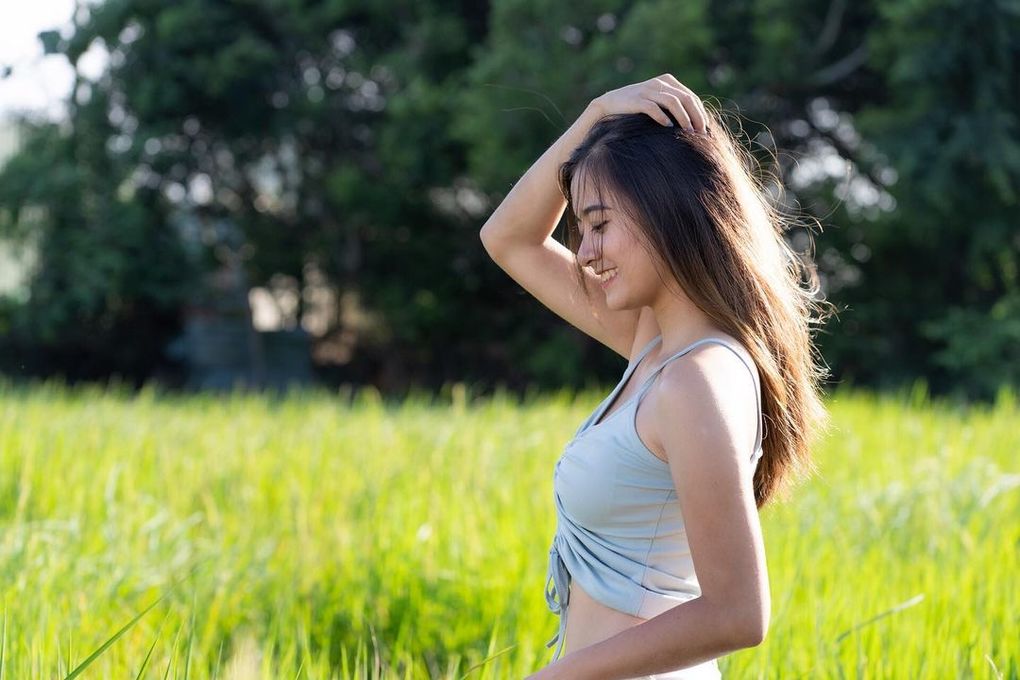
x=703, y=213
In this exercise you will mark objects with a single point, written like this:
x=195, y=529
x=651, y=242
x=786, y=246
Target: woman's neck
x=681, y=323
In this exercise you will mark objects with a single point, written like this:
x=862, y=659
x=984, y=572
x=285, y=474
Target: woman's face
x=607, y=230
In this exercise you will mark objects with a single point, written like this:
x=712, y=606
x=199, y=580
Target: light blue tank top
x=619, y=529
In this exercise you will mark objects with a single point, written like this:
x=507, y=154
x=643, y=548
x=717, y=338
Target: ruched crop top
x=619, y=529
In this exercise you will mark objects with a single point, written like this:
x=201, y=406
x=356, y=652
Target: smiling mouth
x=608, y=275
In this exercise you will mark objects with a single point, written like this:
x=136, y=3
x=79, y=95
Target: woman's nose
x=586, y=253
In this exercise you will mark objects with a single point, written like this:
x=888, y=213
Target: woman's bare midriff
x=590, y=621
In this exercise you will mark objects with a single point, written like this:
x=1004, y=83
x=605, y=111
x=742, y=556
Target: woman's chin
x=612, y=299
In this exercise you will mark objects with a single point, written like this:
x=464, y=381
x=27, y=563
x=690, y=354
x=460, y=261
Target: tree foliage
x=371, y=140
x=110, y=275
x=916, y=124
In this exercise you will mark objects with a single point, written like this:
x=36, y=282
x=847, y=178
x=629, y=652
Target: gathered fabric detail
x=558, y=597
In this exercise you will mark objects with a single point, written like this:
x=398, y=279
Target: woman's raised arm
x=518, y=234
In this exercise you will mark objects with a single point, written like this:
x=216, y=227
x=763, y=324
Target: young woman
x=658, y=552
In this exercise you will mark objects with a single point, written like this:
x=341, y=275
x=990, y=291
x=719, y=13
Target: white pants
x=709, y=670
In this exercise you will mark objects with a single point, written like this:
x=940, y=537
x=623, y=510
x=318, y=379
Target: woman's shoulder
x=709, y=388
x=714, y=355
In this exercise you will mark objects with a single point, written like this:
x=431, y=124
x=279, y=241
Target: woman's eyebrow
x=593, y=208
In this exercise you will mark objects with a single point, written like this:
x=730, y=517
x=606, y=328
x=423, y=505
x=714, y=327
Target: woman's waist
x=590, y=621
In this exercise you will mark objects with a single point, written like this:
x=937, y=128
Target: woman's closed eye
x=593, y=229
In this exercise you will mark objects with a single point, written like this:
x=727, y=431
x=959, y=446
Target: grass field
x=317, y=536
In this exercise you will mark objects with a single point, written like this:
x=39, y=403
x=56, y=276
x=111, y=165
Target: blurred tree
x=320, y=128
x=370, y=140
x=871, y=106
x=109, y=276
x=940, y=292
x=317, y=127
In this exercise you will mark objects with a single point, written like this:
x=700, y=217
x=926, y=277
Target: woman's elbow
x=742, y=619
x=749, y=628
x=743, y=622
x=753, y=636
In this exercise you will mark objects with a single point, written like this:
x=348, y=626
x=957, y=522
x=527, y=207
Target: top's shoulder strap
x=645, y=350
x=754, y=379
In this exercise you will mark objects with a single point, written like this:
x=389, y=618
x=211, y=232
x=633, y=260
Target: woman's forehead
x=582, y=183
x=585, y=191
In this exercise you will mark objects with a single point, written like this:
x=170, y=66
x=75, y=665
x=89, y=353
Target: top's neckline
x=620, y=386
x=594, y=421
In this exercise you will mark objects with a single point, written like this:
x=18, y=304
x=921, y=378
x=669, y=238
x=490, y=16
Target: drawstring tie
x=561, y=592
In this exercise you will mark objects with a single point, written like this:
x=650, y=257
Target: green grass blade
x=95, y=655
x=191, y=639
x=219, y=661
x=173, y=652
x=903, y=605
x=485, y=661
x=145, y=662
x=3, y=643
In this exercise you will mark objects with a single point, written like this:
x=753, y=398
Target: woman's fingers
x=656, y=96
x=651, y=107
x=673, y=104
x=692, y=104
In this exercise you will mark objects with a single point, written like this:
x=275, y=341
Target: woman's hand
x=647, y=97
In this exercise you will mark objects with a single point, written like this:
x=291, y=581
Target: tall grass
x=340, y=536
